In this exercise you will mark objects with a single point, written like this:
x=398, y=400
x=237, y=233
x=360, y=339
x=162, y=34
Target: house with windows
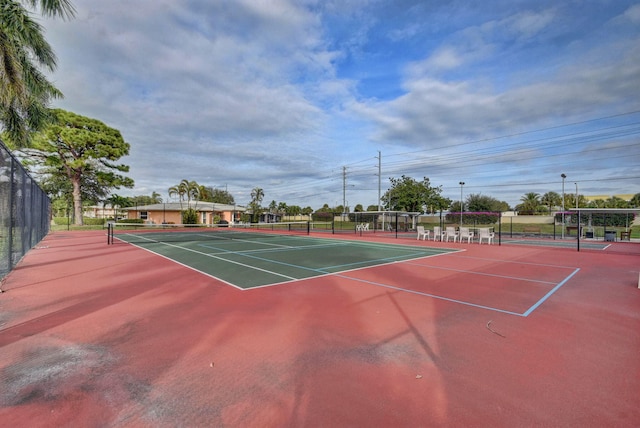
x=171, y=212
x=99, y=211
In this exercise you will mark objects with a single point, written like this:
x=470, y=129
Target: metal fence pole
x=11, y=218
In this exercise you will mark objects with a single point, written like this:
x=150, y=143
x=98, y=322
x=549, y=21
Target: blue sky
x=294, y=96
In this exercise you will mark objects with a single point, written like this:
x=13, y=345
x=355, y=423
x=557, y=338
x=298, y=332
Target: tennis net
x=144, y=233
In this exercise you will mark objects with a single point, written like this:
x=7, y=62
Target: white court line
x=517, y=278
x=517, y=262
x=288, y=278
x=214, y=257
x=462, y=302
x=243, y=240
x=269, y=250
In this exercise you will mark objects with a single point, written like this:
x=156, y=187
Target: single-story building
x=99, y=211
x=171, y=212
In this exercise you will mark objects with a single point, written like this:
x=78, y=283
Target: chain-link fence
x=24, y=211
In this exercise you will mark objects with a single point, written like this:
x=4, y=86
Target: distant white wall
x=531, y=219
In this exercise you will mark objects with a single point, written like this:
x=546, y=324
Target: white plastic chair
x=467, y=234
x=422, y=233
x=485, y=233
x=451, y=233
x=438, y=234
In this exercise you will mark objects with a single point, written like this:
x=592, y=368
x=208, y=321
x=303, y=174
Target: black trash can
x=589, y=235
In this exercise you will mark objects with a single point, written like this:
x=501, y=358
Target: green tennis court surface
x=249, y=260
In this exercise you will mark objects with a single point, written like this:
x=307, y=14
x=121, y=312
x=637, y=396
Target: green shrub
x=322, y=216
x=599, y=219
x=90, y=221
x=61, y=221
x=475, y=218
x=190, y=216
x=131, y=220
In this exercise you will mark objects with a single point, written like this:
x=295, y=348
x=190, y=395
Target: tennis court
x=249, y=258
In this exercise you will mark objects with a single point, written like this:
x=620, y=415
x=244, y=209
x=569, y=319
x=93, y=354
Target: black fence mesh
x=24, y=211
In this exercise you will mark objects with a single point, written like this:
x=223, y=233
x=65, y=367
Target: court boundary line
x=550, y=293
x=524, y=314
x=377, y=262
x=271, y=250
x=182, y=264
x=485, y=274
x=212, y=256
x=433, y=296
x=341, y=273
x=517, y=262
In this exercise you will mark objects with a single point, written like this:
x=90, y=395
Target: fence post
x=11, y=219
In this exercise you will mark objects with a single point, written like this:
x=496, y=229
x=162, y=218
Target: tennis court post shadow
x=411, y=328
x=363, y=338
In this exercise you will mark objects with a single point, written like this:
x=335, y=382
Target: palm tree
x=156, y=198
x=177, y=191
x=257, y=194
x=192, y=191
x=206, y=193
x=185, y=190
x=25, y=93
x=551, y=199
x=117, y=202
x=530, y=203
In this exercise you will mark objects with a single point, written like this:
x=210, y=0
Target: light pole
x=461, y=208
x=563, y=177
x=576, y=195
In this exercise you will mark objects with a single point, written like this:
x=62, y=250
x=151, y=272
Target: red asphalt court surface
x=114, y=336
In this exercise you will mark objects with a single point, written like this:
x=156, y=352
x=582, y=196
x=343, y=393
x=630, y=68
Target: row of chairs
x=451, y=232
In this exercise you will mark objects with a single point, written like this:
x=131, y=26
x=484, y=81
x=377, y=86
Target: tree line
x=533, y=203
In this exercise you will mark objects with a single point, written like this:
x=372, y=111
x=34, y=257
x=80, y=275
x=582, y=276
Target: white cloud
x=250, y=92
x=633, y=14
x=525, y=25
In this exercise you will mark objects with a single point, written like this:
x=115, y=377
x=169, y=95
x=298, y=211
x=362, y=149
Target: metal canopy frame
x=581, y=211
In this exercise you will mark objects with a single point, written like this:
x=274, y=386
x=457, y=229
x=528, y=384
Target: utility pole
x=461, y=203
x=379, y=179
x=344, y=191
x=563, y=177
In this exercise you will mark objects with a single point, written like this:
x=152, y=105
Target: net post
x=499, y=228
x=396, y=225
x=308, y=228
x=109, y=233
